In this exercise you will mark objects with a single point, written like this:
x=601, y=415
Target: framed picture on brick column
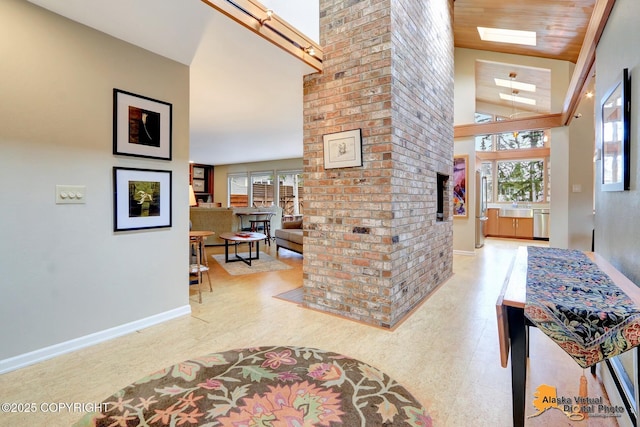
x=460, y=176
x=343, y=149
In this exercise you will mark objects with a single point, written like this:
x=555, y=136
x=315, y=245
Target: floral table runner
x=578, y=306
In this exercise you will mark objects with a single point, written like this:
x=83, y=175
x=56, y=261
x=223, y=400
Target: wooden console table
x=512, y=323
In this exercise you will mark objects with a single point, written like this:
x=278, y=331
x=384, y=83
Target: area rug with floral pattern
x=265, y=386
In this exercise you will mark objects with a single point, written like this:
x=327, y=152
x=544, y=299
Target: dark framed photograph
x=343, y=149
x=141, y=198
x=142, y=126
x=198, y=186
x=614, y=135
x=198, y=172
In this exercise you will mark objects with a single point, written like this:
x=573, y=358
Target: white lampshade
x=192, y=197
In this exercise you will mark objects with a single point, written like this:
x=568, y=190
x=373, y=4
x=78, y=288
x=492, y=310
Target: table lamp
x=192, y=197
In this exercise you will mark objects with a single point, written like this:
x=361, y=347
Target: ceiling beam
x=252, y=15
x=530, y=123
x=582, y=73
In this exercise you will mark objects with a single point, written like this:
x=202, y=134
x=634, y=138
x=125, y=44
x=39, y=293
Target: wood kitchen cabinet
x=524, y=228
x=492, y=225
x=521, y=228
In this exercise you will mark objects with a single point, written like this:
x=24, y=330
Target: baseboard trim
x=466, y=253
x=26, y=359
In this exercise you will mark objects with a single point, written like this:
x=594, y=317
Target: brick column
x=373, y=248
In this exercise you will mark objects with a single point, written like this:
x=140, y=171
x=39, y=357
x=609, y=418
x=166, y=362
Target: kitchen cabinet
x=492, y=225
x=521, y=228
x=524, y=228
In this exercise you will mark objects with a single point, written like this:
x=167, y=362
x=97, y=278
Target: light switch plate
x=71, y=194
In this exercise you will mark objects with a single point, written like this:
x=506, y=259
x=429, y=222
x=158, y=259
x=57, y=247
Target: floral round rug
x=264, y=386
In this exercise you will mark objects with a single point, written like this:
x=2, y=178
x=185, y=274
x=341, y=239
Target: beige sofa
x=290, y=236
x=222, y=220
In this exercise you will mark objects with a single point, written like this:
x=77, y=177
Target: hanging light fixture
x=514, y=93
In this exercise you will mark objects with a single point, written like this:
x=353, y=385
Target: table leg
x=518, y=339
x=226, y=251
x=199, y=274
x=257, y=249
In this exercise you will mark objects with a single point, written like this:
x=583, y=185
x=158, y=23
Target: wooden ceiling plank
x=582, y=72
x=531, y=123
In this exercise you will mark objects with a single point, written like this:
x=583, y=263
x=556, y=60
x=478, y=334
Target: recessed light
x=519, y=99
x=502, y=35
x=527, y=87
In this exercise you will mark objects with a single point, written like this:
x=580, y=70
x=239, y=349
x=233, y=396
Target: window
x=516, y=164
x=484, y=143
x=520, y=181
x=520, y=140
x=487, y=171
x=290, y=193
x=238, y=190
x=262, y=189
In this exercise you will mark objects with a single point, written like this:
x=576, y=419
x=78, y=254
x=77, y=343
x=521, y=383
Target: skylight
x=507, y=36
x=514, y=98
x=527, y=87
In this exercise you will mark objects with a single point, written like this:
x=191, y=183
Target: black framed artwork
x=141, y=198
x=142, y=126
x=615, y=114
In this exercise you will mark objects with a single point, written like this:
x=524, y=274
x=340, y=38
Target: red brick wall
x=373, y=249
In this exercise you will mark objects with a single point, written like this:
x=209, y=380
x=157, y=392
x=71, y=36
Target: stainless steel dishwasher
x=541, y=224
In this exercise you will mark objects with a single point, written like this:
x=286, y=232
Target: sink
x=516, y=212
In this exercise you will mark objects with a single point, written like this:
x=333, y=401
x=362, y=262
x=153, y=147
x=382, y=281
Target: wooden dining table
x=512, y=323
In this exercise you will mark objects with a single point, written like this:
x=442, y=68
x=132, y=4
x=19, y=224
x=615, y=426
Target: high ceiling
x=560, y=26
x=246, y=94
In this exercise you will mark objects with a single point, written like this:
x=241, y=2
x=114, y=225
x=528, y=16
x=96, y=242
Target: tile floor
x=446, y=353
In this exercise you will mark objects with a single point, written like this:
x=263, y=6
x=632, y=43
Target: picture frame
x=343, y=149
x=615, y=116
x=141, y=198
x=198, y=172
x=142, y=126
x=199, y=186
x=459, y=192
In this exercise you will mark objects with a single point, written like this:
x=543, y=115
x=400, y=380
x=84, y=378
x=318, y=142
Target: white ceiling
x=246, y=94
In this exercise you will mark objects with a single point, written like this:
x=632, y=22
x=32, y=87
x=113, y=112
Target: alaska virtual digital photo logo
x=576, y=408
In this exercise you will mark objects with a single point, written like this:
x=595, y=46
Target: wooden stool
x=196, y=241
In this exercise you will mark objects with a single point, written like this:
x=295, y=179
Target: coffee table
x=242, y=237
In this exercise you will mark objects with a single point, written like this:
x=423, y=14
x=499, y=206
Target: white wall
x=559, y=171
x=617, y=228
x=64, y=272
x=617, y=225
x=581, y=179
